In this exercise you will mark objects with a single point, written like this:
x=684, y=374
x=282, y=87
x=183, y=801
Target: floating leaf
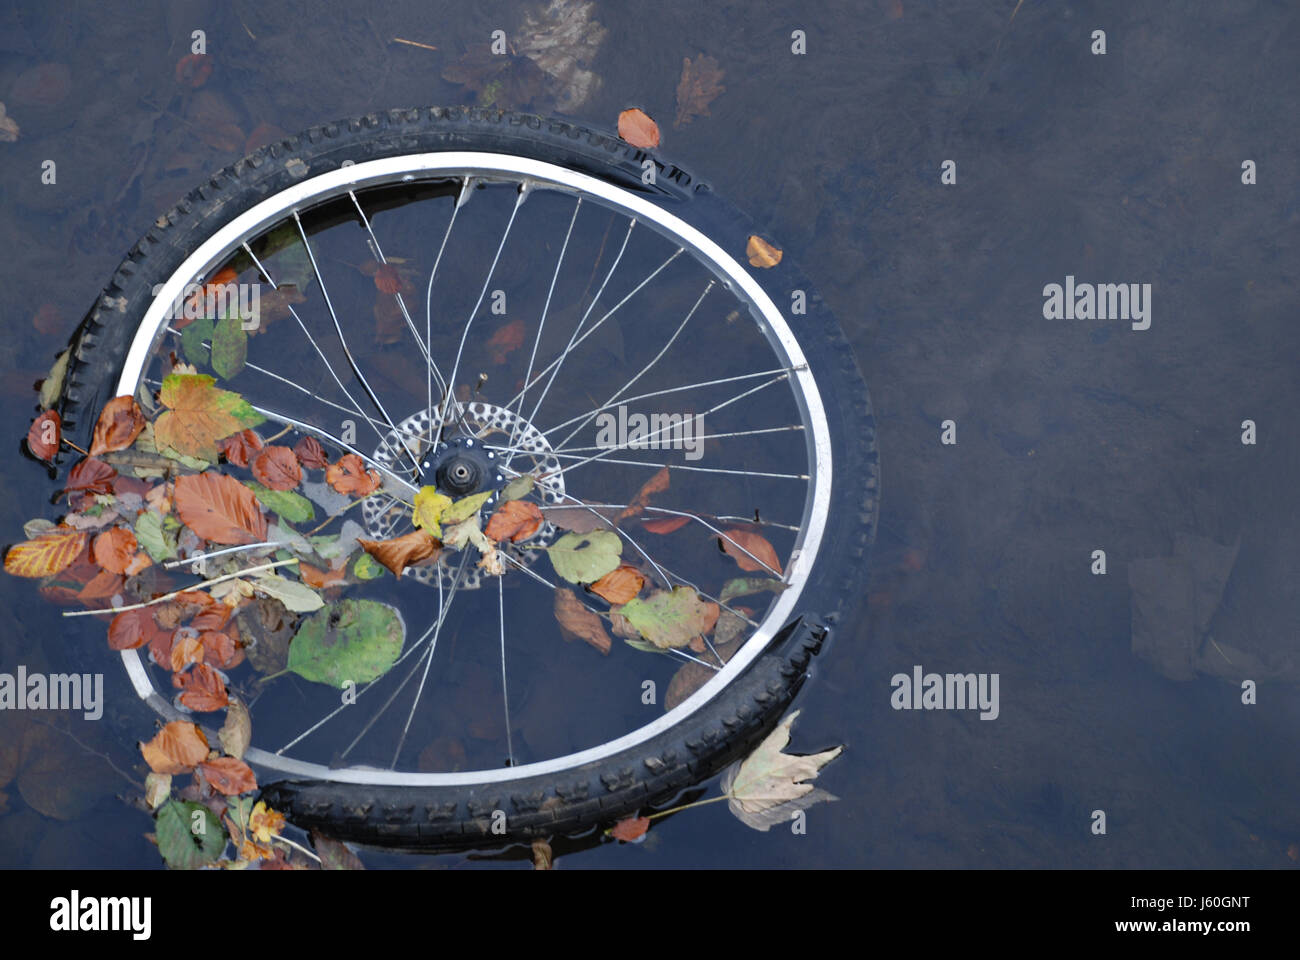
x=177, y=748
x=744, y=586
x=134, y=628
x=700, y=84
x=241, y=448
x=202, y=689
x=631, y=829
x=579, y=623
x=666, y=525
x=52, y=385
x=195, y=337
x=297, y=597
x=767, y=786
x=401, y=552
x=114, y=549
x=365, y=567
x=45, y=435
x=691, y=676
x=350, y=476
x=158, y=542
x=311, y=454
x=636, y=127
x=428, y=509
x=656, y=484
x=579, y=518
x=619, y=586
x=761, y=253
x=751, y=551
x=157, y=788
x=543, y=856
x=237, y=732
x=264, y=823
x=291, y=506
x=120, y=422
x=671, y=619
x=277, y=468
x=585, y=557
x=514, y=520
x=461, y=509
x=199, y=415
x=229, y=776
x=354, y=640
x=517, y=488
x=334, y=854
x=219, y=509
x=229, y=347
x=45, y=555
x=506, y=340
x=189, y=835
x=90, y=476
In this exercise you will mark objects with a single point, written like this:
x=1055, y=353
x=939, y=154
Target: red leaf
x=515, y=519
x=666, y=525
x=506, y=340
x=219, y=509
x=134, y=628
x=636, y=127
x=349, y=475
x=220, y=650
x=241, y=447
x=203, y=690
x=633, y=828
x=114, y=549
x=90, y=476
x=229, y=776
x=45, y=435
x=311, y=454
x=120, y=422
x=212, y=616
x=388, y=280
x=277, y=468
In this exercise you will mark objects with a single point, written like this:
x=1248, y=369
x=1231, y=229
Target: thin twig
x=177, y=593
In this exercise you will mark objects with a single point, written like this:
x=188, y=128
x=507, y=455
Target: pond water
x=1118, y=692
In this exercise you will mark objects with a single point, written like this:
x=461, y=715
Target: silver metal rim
x=412, y=167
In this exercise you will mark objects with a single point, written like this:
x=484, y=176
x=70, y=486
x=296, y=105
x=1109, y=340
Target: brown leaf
x=700, y=83
x=229, y=776
x=388, y=280
x=133, y=628
x=114, y=549
x=401, y=552
x=349, y=475
x=237, y=732
x=619, y=586
x=263, y=134
x=656, y=484
x=636, y=127
x=277, y=468
x=120, y=422
x=90, y=476
x=761, y=253
x=320, y=579
x=579, y=519
x=633, y=828
x=241, y=448
x=202, y=689
x=46, y=319
x=219, y=509
x=210, y=615
x=311, y=454
x=220, y=650
x=177, y=748
x=45, y=555
x=666, y=525
x=186, y=649
x=578, y=622
x=543, y=858
x=507, y=340
x=756, y=545
x=514, y=519
x=45, y=435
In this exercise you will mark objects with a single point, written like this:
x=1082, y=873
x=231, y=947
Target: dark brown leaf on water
x=656, y=484
x=45, y=435
x=401, y=552
x=636, y=127
x=578, y=622
x=241, y=447
x=277, y=467
x=119, y=424
x=666, y=525
x=229, y=776
x=700, y=84
x=311, y=454
x=90, y=476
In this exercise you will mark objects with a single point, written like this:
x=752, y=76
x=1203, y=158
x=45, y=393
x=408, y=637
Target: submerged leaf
x=579, y=623
x=585, y=557
x=671, y=619
x=700, y=84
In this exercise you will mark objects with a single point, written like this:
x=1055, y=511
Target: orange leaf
x=90, y=476
x=219, y=509
x=211, y=616
x=401, y=552
x=619, y=586
x=45, y=435
x=277, y=468
x=202, y=689
x=636, y=127
x=141, y=561
x=46, y=555
x=229, y=776
x=633, y=828
x=132, y=629
x=579, y=623
x=320, y=579
x=515, y=519
x=102, y=586
x=311, y=454
x=114, y=549
x=177, y=748
x=199, y=414
x=349, y=475
x=388, y=280
x=761, y=253
x=241, y=448
x=656, y=484
x=506, y=340
x=666, y=525
x=120, y=422
x=185, y=650
x=220, y=650
x=756, y=545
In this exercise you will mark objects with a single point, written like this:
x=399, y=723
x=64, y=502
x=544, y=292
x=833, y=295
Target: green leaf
x=585, y=557
x=155, y=539
x=193, y=463
x=427, y=509
x=353, y=640
x=189, y=835
x=464, y=508
x=52, y=385
x=744, y=586
x=292, y=263
x=367, y=567
x=291, y=506
x=670, y=619
x=192, y=337
x=229, y=347
x=296, y=596
x=518, y=488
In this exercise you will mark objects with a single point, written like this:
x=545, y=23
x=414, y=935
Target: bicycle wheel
x=462, y=298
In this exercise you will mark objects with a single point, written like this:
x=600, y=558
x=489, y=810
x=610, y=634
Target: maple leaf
x=514, y=520
x=277, y=468
x=120, y=422
x=750, y=551
x=349, y=475
x=579, y=623
x=219, y=509
x=199, y=414
x=700, y=83
x=265, y=823
x=401, y=552
x=177, y=748
x=45, y=555
x=767, y=786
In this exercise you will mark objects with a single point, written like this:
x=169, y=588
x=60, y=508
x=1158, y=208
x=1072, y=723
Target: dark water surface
x=1072, y=435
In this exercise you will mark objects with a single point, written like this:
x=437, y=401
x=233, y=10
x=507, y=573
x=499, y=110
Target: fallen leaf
x=577, y=622
x=767, y=786
x=401, y=552
x=517, y=488
x=120, y=422
x=666, y=525
x=186, y=649
x=157, y=789
x=334, y=854
x=514, y=520
x=562, y=39
x=264, y=823
x=507, y=340
x=189, y=835
x=543, y=857
x=631, y=830
x=237, y=732
x=134, y=628
x=311, y=454
x=45, y=555
x=744, y=586
x=177, y=748
x=500, y=80
x=700, y=84
x=263, y=134
x=388, y=280
x=296, y=596
x=464, y=508
x=45, y=435
x=619, y=586
x=585, y=557
x=761, y=253
x=193, y=69
x=579, y=518
x=47, y=319
x=90, y=476
x=353, y=641
x=751, y=551
x=114, y=549
x=44, y=85
x=656, y=484
x=349, y=476
x=691, y=676
x=199, y=414
x=636, y=127
x=229, y=776
x=202, y=689
x=277, y=468
x=671, y=619
x=320, y=579
x=427, y=509
x=8, y=128
x=219, y=509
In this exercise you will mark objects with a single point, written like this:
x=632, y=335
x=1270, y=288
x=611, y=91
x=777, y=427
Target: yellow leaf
x=761, y=253
x=46, y=555
x=429, y=505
